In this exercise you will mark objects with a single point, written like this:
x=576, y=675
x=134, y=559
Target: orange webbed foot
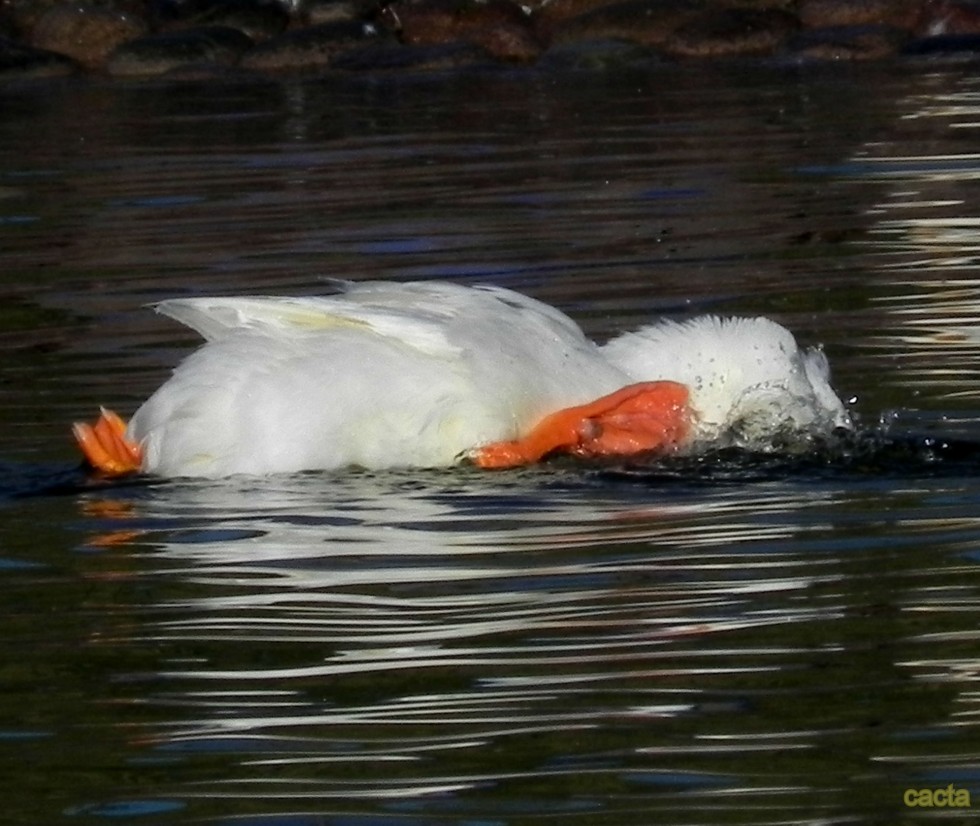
x=106, y=447
x=637, y=418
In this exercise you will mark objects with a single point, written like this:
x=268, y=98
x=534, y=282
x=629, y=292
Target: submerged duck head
x=750, y=383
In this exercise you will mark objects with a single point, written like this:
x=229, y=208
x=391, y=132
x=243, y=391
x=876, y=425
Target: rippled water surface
x=751, y=640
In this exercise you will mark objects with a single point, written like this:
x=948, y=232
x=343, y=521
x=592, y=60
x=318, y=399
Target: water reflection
x=391, y=565
x=444, y=637
x=925, y=240
x=723, y=643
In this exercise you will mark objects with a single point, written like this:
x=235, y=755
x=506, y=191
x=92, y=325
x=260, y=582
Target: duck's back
x=380, y=375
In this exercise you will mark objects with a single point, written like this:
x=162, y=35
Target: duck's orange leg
x=636, y=418
x=106, y=447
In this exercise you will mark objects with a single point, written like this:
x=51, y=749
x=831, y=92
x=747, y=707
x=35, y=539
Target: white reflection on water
x=456, y=640
x=960, y=107
x=925, y=240
x=547, y=589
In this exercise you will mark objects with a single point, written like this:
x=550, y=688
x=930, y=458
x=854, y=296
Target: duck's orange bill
x=106, y=447
x=651, y=415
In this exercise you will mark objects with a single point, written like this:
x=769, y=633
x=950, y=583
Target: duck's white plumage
x=417, y=374
x=380, y=375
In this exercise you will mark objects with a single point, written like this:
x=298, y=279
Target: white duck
x=426, y=374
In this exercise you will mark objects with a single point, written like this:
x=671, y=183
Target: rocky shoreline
x=201, y=37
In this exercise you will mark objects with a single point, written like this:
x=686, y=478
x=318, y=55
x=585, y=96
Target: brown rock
x=312, y=47
x=160, y=53
x=648, y=22
x=508, y=42
x=256, y=19
x=784, y=5
x=900, y=14
x=84, y=32
x=424, y=22
x=734, y=31
x=501, y=27
x=339, y=11
x=548, y=15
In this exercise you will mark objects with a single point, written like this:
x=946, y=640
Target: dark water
x=738, y=640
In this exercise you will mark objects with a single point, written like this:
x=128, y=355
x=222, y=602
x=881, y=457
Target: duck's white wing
x=285, y=317
x=434, y=317
x=447, y=300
